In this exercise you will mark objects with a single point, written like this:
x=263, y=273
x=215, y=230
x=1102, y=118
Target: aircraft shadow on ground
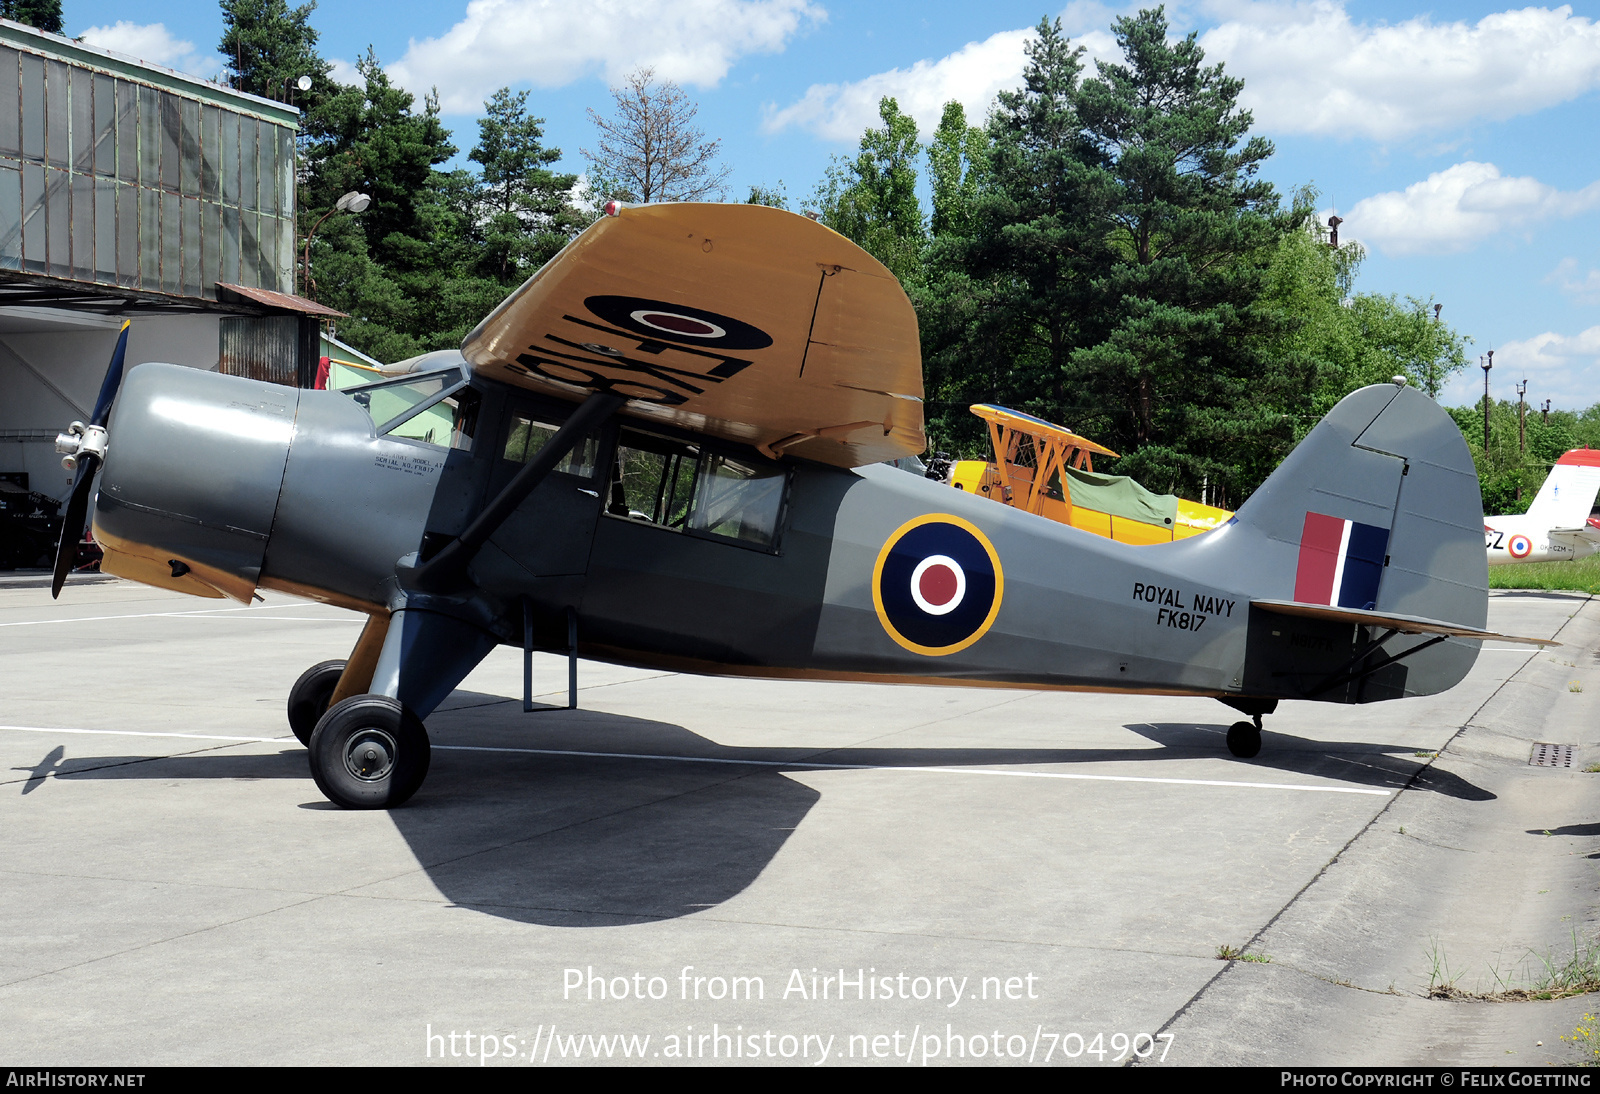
x=1570, y=830
x=1390, y=767
x=591, y=841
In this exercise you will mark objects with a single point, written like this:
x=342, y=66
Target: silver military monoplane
x=669, y=448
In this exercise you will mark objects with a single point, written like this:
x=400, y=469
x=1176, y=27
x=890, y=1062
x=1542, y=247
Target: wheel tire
x=308, y=699
x=369, y=752
x=1244, y=739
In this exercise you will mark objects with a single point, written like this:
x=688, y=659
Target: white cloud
x=154, y=43
x=550, y=43
x=1309, y=68
x=346, y=73
x=1562, y=368
x=1451, y=210
x=971, y=76
x=1584, y=288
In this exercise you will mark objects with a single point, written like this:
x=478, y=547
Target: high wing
x=741, y=321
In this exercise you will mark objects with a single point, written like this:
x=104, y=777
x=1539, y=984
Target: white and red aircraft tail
x=1556, y=527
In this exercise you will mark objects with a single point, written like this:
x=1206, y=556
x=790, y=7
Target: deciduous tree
x=649, y=148
x=872, y=199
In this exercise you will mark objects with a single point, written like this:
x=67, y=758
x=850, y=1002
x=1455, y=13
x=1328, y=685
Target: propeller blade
x=113, y=380
x=73, y=523
x=76, y=518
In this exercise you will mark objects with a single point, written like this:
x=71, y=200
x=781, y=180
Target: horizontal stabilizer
x=1405, y=624
x=1574, y=536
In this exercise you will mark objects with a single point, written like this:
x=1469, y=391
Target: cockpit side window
x=679, y=486
x=739, y=500
x=527, y=435
x=653, y=480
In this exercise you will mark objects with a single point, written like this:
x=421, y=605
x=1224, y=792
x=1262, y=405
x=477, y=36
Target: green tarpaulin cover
x=1121, y=497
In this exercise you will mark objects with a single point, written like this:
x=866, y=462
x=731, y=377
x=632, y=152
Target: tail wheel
x=369, y=752
x=308, y=699
x=1244, y=739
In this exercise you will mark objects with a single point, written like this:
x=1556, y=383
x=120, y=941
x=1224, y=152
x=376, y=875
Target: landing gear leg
x=1244, y=738
x=326, y=684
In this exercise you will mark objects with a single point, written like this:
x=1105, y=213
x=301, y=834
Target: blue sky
x=1459, y=145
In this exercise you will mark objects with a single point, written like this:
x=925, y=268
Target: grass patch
x=1231, y=953
x=1581, y=576
x=1550, y=977
x=1586, y=1039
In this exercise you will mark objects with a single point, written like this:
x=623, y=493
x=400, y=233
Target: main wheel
x=308, y=699
x=1244, y=739
x=369, y=752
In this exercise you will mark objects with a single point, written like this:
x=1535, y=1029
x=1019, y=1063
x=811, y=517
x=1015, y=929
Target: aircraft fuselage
x=806, y=570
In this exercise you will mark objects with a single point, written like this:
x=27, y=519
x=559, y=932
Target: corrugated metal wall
x=280, y=349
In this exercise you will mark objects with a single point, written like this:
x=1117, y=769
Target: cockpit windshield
x=433, y=407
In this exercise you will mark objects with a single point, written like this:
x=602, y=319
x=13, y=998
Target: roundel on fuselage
x=1520, y=546
x=937, y=585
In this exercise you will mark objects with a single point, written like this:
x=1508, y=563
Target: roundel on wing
x=937, y=585
x=659, y=321
x=1520, y=546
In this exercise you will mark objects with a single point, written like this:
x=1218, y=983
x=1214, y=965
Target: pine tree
x=1177, y=345
x=390, y=266
x=269, y=47
x=526, y=208
x=43, y=15
x=1008, y=274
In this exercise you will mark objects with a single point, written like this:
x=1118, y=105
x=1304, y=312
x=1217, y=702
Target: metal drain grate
x=1545, y=755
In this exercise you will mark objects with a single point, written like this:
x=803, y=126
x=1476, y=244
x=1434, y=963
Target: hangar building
x=131, y=191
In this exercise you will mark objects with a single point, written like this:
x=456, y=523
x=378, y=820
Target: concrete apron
x=1473, y=899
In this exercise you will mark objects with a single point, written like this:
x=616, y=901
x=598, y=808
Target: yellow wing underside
x=740, y=321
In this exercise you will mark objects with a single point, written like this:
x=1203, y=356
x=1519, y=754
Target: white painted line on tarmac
x=932, y=770
x=168, y=615
x=138, y=733
x=792, y=764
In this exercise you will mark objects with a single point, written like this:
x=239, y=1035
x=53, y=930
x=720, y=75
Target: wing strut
x=1349, y=672
x=446, y=568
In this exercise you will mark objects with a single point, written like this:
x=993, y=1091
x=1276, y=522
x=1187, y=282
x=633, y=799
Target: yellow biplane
x=1047, y=469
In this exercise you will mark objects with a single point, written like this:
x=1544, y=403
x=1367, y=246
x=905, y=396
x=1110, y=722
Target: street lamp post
x=1433, y=359
x=1522, y=430
x=353, y=202
x=1522, y=416
x=1486, y=368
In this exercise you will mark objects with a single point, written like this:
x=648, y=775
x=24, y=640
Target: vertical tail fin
x=1568, y=493
x=1379, y=509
